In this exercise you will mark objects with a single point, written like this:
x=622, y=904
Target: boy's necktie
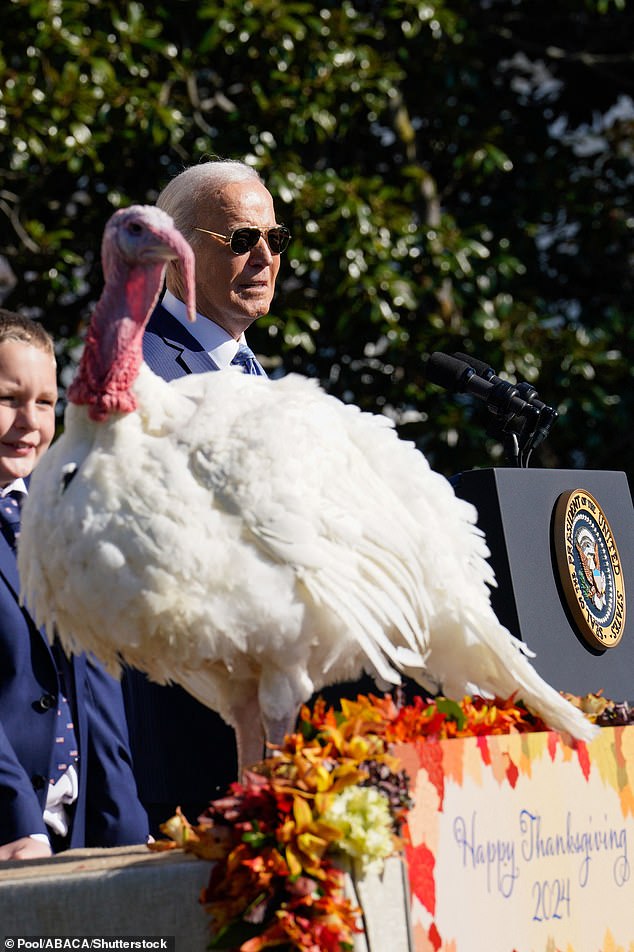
x=10, y=516
x=245, y=358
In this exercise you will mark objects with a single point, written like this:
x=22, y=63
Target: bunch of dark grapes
x=616, y=714
x=395, y=786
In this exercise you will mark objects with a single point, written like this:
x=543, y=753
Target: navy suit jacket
x=184, y=754
x=107, y=811
x=170, y=350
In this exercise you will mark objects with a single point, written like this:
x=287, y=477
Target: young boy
x=65, y=767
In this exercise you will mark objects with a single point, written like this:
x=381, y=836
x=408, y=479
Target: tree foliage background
x=457, y=176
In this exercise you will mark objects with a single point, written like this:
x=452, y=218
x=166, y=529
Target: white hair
x=180, y=197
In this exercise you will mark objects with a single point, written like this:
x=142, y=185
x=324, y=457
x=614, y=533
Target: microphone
x=502, y=398
x=547, y=415
x=525, y=390
x=482, y=369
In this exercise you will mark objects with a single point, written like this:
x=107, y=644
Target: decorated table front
x=515, y=843
x=132, y=892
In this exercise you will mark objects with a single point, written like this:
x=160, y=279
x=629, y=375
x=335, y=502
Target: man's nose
x=261, y=251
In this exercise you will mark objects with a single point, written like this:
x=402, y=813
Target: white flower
x=364, y=818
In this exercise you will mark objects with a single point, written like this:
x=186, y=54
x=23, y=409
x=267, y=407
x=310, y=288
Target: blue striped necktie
x=10, y=516
x=245, y=358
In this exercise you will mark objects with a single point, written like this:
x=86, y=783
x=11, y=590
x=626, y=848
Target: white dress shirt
x=18, y=485
x=220, y=346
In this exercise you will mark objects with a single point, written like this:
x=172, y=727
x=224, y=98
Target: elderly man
x=226, y=213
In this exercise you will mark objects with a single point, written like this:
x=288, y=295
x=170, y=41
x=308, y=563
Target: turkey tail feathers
x=554, y=709
x=476, y=644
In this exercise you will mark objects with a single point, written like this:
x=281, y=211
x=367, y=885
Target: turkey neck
x=113, y=352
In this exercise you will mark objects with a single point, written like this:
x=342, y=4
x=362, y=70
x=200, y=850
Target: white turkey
x=249, y=539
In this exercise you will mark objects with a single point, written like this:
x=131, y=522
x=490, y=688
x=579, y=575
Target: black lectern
x=562, y=547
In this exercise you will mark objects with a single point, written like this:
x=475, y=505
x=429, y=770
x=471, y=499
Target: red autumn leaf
x=584, y=758
x=512, y=773
x=435, y=937
x=553, y=740
x=483, y=747
x=420, y=864
x=430, y=758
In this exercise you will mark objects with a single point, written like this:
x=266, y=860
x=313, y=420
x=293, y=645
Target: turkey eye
x=134, y=228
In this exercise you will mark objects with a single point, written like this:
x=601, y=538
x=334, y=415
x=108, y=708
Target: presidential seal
x=590, y=569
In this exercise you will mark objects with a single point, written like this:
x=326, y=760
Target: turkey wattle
x=251, y=540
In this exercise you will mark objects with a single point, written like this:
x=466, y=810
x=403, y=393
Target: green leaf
x=452, y=710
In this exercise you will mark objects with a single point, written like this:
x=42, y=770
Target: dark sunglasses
x=243, y=240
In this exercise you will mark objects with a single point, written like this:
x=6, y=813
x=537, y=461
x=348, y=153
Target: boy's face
x=28, y=393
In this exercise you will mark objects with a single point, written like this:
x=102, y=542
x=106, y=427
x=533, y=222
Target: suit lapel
x=198, y=361
x=185, y=352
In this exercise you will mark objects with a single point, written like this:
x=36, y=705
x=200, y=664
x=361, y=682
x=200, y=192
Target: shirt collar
x=220, y=346
x=18, y=485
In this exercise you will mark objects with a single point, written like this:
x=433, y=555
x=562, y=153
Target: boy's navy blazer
x=107, y=811
x=184, y=754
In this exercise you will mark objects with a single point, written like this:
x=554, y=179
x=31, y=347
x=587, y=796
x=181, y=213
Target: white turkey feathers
x=255, y=540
